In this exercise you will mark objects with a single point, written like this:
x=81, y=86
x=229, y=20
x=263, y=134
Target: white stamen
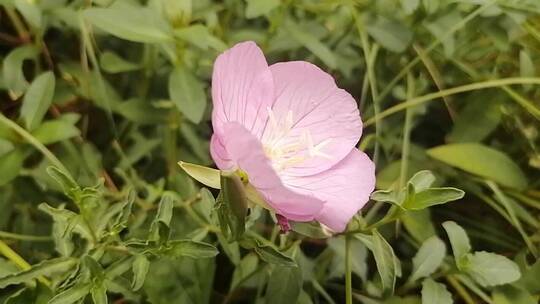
x=285, y=152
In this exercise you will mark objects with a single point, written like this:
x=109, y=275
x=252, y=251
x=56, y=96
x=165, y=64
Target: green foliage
x=114, y=94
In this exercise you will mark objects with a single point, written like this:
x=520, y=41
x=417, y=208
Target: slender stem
x=33, y=141
x=456, y=90
x=460, y=290
x=18, y=24
x=524, y=102
x=24, y=237
x=348, y=271
x=14, y=257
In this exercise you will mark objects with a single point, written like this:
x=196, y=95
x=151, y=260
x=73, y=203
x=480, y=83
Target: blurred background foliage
x=117, y=92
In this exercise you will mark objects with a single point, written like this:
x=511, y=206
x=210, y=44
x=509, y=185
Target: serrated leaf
x=207, y=176
x=72, y=294
x=459, y=241
x=490, y=269
x=284, y=285
x=428, y=258
x=48, y=267
x=189, y=248
x=187, y=93
x=140, y=269
x=65, y=180
x=435, y=293
x=37, y=100
x=479, y=159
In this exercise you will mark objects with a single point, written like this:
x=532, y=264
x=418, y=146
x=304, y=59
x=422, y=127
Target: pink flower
x=293, y=131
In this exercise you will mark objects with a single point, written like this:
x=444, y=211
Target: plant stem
x=348, y=271
x=24, y=237
x=14, y=257
x=456, y=90
x=460, y=290
x=34, y=142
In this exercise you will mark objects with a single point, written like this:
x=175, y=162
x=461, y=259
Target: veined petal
x=344, y=188
x=219, y=154
x=247, y=152
x=316, y=113
x=242, y=88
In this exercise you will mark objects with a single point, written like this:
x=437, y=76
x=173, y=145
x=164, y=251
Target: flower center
x=287, y=146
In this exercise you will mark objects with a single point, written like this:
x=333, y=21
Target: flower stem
x=348, y=271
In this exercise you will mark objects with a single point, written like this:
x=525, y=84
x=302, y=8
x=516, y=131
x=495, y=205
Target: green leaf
x=200, y=36
x=529, y=279
x=246, y=267
x=53, y=131
x=232, y=205
x=69, y=186
x=490, y=269
x=131, y=23
x=311, y=43
x=72, y=294
x=159, y=231
x=422, y=180
x=312, y=229
x=257, y=8
x=435, y=293
x=48, y=267
x=477, y=119
x=509, y=294
x=385, y=260
x=419, y=224
x=479, y=159
x=12, y=69
x=189, y=248
x=37, y=100
x=140, y=269
x=428, y=258
x=284, y=285
x=432, y=197
x=388, y=196
x=11, y=164
x=390, y=34
x=187, y=93
x=207, y=176
x=271, y=255
x=459, y=242
x=99, y=293
x=409, y=6
x=112, y=63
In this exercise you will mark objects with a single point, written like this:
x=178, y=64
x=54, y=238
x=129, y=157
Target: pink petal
x=242, y=88
x=247, y=152
x=219, y=154
x=319, y=107
x=344, y=188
